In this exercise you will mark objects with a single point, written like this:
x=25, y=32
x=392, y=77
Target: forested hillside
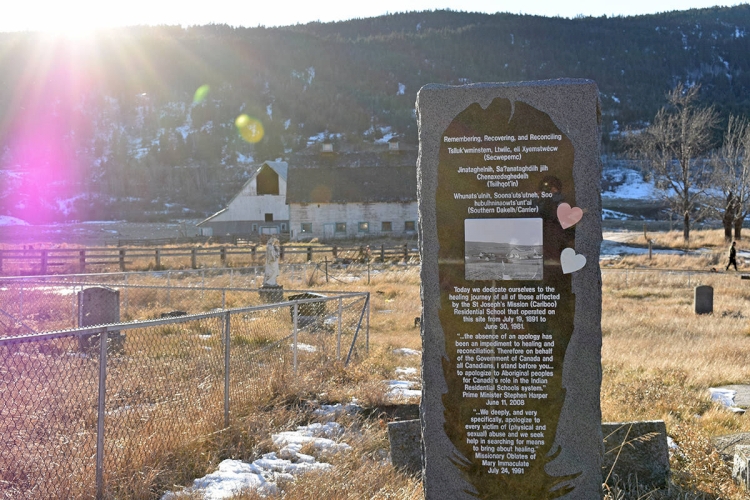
x=116, y=126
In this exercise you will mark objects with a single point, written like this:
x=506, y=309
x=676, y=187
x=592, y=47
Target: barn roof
x=352, y=184
x=280, y=167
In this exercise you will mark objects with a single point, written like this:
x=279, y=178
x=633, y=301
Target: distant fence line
x=46, y=260
x=79, y=422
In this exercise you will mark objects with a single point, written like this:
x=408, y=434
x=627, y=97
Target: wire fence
x=85, y=409
x=669, y=278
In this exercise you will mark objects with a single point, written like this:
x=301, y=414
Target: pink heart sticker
x=568, y=216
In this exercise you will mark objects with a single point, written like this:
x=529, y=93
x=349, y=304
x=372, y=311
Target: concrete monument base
x=271, y=294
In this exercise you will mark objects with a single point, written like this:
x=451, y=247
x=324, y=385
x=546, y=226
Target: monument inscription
x=500, y=182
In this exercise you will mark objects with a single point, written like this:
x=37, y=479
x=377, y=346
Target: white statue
x=272, y=262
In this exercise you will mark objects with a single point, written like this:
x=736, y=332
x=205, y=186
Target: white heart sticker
x=571, y=262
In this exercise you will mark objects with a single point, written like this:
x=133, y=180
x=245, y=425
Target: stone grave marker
x=99, y=305
x=636, y=451
x=704, y=299
x=510, y=219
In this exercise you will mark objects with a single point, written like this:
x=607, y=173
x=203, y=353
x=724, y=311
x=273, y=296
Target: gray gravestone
x=405, y=438
x=704, y=299
x=99, y=306
x=636, y=451
x=510, y=218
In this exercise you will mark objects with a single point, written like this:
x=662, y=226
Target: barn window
x=307, y=227
x=341, y=227
x=268, y=181
x=409, y=225
x=269, y=217
x=386, y=226
x=363, y=227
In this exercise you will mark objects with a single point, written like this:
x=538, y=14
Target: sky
x=76, y=17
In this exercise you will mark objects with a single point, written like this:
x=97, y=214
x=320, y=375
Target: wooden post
x=82, y=261
x=44, y=262
x=223, y=253
x=122, y=259
x=1, y=261
x=335, y=252
x=281, y=252
x=252, y=252
x=193, y=258
x=158, y=259
x=382, y=253
x=406, y=253
x=309, y=254
x=326, y=269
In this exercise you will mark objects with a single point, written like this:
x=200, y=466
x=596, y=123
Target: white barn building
x=350, y=202
x=259, y=208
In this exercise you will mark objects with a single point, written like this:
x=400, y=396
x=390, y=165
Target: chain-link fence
x=85, y=409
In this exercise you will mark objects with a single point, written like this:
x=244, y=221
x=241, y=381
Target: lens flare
x=249, y=128
x=201, y=94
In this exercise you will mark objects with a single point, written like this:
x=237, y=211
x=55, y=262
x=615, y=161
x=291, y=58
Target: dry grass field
x=658, y=357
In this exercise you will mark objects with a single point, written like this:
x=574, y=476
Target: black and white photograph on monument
x=503, y=249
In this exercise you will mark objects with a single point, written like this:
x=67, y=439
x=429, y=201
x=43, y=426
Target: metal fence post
x=227, y=315
x=100, y=415
x=169, y=290
x=367, y=324
x=125, y=298
x=338, y=336
x=20, y=304
x=75, y=305
x=294, y=349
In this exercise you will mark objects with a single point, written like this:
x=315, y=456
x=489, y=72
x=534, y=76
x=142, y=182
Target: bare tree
x=673, y=147
x=731, y=177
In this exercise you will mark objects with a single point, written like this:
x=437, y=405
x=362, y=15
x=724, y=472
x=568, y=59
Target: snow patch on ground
x=337, y=409
x=7, y=220
x=633, y=186
x=614, y=215
x=262, y=475
x=405, y=351
x=403, y=389
x=405, y=372
x=305, y=347
x=725, y=397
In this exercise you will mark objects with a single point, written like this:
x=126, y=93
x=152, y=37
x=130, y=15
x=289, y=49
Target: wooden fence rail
x=42, y=261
